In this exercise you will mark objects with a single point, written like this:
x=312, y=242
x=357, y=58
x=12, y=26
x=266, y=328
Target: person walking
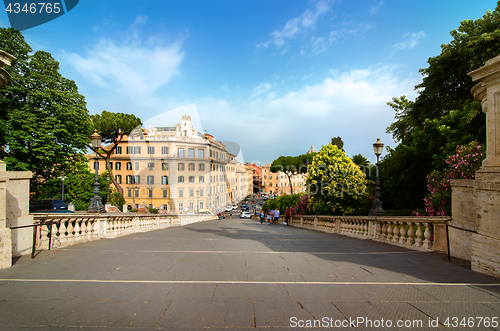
x=261, y=215
x=276, y=215
x=230, y=215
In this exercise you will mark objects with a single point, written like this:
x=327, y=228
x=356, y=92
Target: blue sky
x=273, y=76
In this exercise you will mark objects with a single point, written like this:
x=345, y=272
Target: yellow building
x=175, y=169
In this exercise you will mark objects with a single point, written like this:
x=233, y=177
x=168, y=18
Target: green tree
x=360, y=160
x=443, y=115
x=43, y=118
x=292, y=165
x=337, y=141
x=112, y=127
x=337, y=186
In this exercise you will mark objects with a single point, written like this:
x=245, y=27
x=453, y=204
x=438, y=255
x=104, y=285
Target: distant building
x=175, y=169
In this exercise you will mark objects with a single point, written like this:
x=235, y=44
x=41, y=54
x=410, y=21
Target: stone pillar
x=5, y=235
x=476, y=203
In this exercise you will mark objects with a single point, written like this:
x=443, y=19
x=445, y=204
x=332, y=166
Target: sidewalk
x=234, y=273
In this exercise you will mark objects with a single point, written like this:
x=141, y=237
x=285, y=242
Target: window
x=191, y=179
x=202, y=179
x=165, y=207
x=191, y=193
x=191, y=152
x=180, y=166
x=151, y=180
x=129, y=193
x=118, y=179
x=164, y=166
x=111, y=165
x=130, y=150
x=151, y=149
x=180, y=152
x=181, y=193
x=118, y=150
x=137, y=150
x=180, y=179
x=201, y=153
x=118, y=166
x=201, y=204
x=129, y=165
x=150, y=193
x=181, y=206
x=151, y=165
x=136, y=193
x=137, y=179
x=191, y=166
x=136, y=166
x=129, y=179
x=191, y=205
x=201, y=167
x=165, y=194
x=201, y=193
x=164, y=150
x=164, y=180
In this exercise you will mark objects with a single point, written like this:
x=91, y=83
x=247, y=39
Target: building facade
x=174, y=169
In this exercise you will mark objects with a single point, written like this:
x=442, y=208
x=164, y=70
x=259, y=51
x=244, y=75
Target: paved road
x=229, y=274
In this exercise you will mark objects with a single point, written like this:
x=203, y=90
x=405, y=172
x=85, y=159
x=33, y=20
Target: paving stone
x=391, y=293
x=250, y=292
x=457, y=293
x=207, y=315
x=35, y=312
x=191, y=293
x=326, y=293
x=279, y=314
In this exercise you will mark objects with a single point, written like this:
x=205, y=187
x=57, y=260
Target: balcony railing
x=55, y=231
x=421, y=233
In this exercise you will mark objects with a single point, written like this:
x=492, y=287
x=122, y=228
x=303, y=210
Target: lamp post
x=62, y=178
x=95, y=203
x=377, y=209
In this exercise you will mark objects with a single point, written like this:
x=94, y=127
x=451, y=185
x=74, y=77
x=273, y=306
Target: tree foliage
x=112, y=127
x=337, y=186
x=292, y=165
x=443, y=115
x=337, y=141
x=43, y=118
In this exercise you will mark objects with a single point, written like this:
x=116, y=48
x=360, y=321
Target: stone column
x=485, y=190
x=5, y=236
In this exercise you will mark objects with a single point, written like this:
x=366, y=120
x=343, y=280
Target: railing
x=427, y=233
x=54, y=231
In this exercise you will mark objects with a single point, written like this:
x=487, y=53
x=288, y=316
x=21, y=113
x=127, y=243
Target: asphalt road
x=238, y=274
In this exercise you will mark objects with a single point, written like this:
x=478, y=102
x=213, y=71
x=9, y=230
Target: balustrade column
x=427, y=234
x=418, y=241
x=395, y=237
x=402, y=239
x=411, y=234
x=389, y=231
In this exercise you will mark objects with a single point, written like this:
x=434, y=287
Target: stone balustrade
x=427, y=233
x=64, y=230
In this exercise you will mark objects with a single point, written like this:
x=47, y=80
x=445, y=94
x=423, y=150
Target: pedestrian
x=261, y=217
x=269, y=218
x=276, y=215
x=220, y=215
x=230, y=215
x=287, y=215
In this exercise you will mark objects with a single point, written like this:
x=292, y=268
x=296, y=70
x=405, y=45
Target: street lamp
x=62, y=178
x=95, y=203
x=377, y=209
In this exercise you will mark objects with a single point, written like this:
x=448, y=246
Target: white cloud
x=131, y=68
x=374, y=10
x=318, y=45
x=350, y=104
x=298, y=25
x=260, y=89
x=410, y=41
x=351, y=29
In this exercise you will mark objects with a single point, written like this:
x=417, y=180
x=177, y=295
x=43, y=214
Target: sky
x=274, y=77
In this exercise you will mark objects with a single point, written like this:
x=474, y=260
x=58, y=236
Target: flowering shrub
x=461, y=165
x=301, y=207
x=337, y=186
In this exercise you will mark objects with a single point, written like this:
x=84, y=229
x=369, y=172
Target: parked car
x=245, y=214
x=229, y=208
x=235, y=206
x=244, y=207
x=205, y=212
x=264, y=197
x=262, y=203
x=48, y=205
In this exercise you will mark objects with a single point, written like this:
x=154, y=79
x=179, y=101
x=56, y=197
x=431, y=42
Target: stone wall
x=476, y=203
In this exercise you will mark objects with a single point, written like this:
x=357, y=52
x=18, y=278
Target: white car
x=245, y=214
x=229, y=208
x=235, y=207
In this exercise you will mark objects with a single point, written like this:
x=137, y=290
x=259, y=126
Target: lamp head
x=378, y=147
x=95, y=138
